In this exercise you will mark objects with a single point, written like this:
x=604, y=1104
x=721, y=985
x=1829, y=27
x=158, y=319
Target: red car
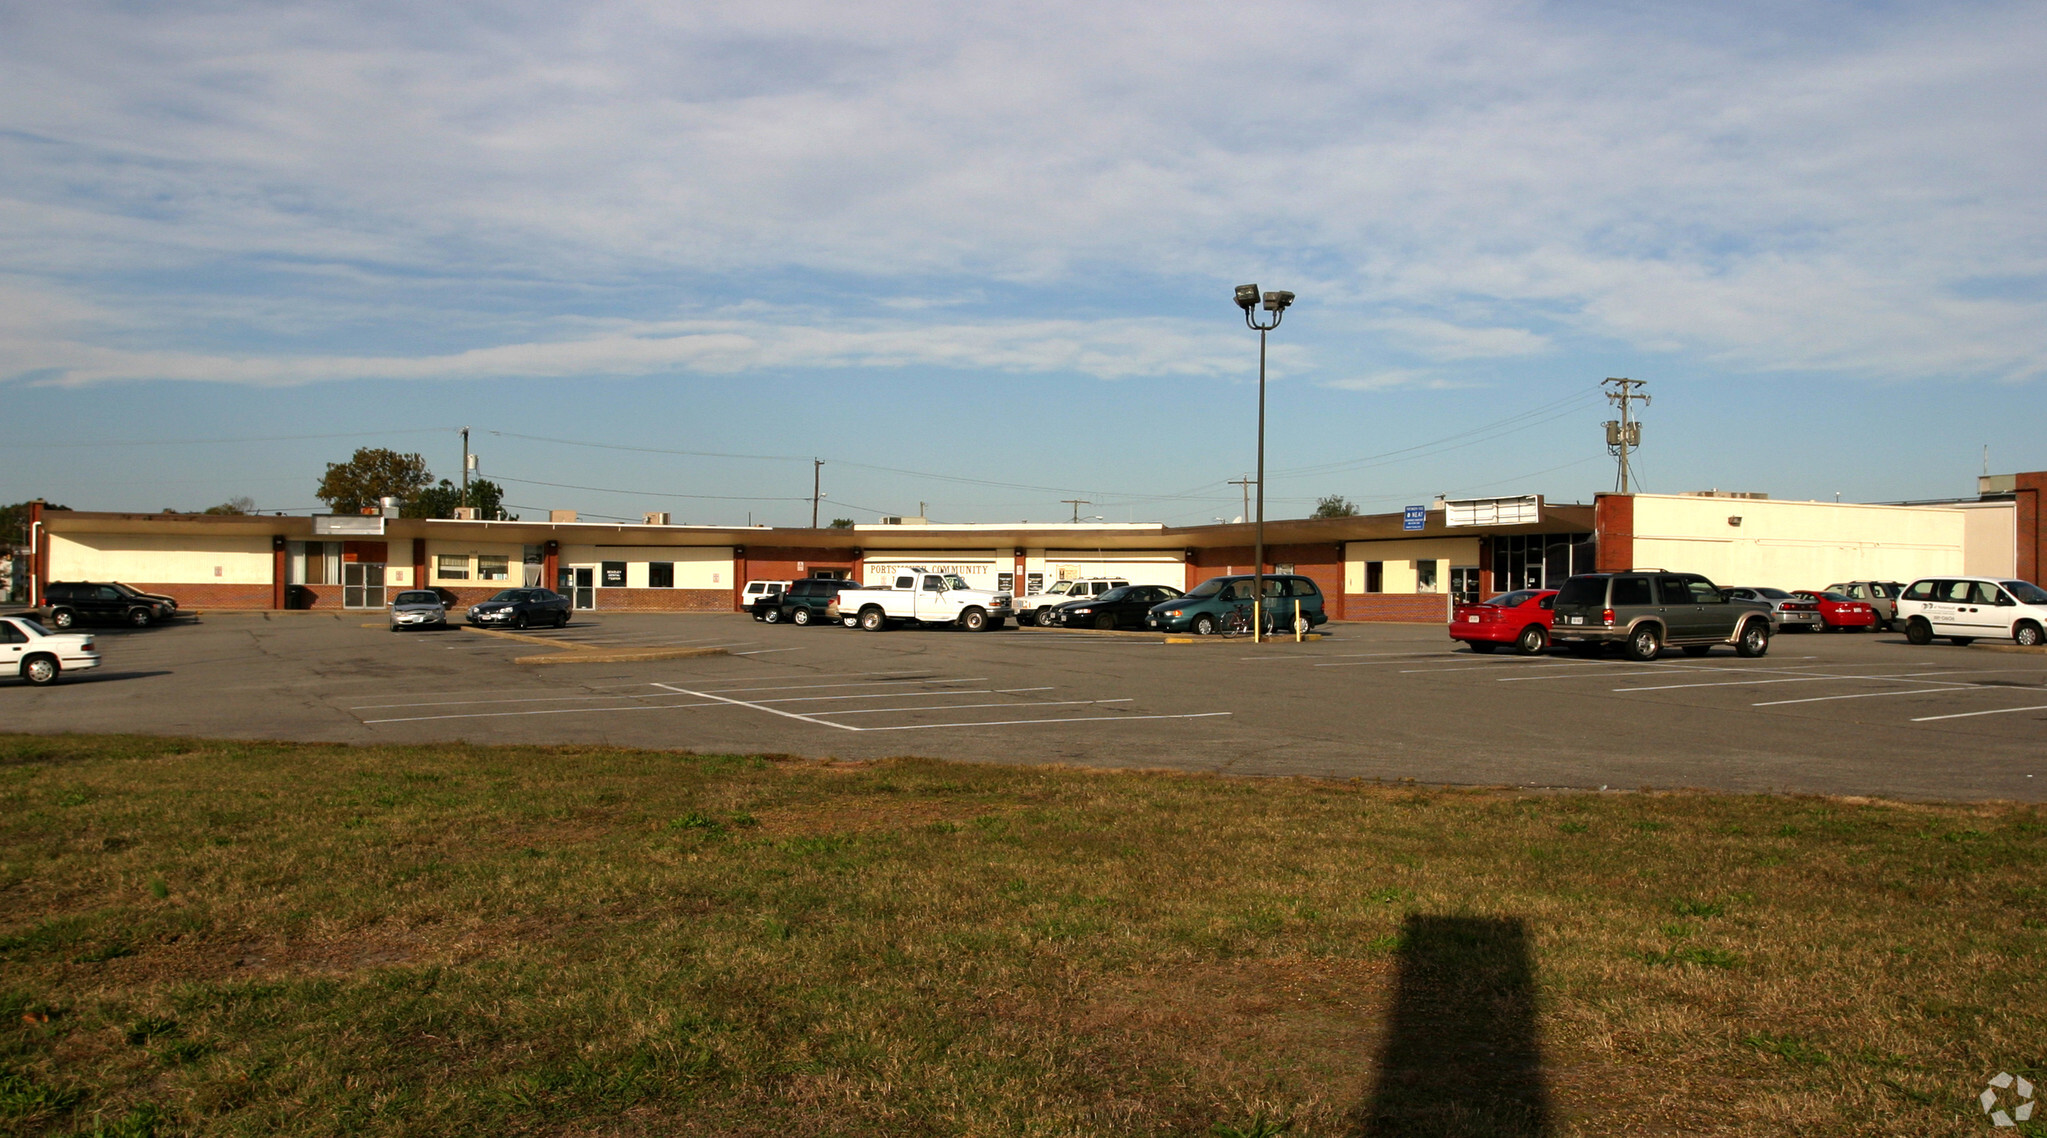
x=1840, y=613
x=1520, y=618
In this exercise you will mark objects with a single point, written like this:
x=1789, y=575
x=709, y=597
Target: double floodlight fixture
x=1248, y=298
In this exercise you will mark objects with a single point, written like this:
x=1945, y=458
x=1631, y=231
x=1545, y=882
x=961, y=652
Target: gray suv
x=1644, y=609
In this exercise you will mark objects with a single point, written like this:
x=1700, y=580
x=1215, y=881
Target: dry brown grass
x=242, y=938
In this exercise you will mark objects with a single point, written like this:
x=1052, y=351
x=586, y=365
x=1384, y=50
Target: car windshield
x=956, y=582
x=1774, y=594
x=1207, y=588
x=418, y=597
x=2026, y=592
x=511, y=595
x=1058, y=587
x=1832, y=596
x=1512, y=600
x=127, y=590
x=1127, y=592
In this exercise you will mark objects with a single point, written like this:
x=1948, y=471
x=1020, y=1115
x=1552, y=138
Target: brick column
x=419, y=577
x=2029, y=496
x=1613, y=525
x=550, y=564
x=280, y=568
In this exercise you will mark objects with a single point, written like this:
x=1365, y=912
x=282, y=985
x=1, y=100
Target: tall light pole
x=1250, y=300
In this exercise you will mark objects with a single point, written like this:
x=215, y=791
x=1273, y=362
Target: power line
x=249, y=439
x=652, y=493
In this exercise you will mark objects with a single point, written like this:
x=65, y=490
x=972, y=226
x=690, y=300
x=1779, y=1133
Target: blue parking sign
x=1415, y=517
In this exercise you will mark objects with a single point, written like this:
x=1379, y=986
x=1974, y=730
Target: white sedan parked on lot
x=37, y=655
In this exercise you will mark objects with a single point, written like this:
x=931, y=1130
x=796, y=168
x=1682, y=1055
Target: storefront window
x=613, y=575
x=1424, y=576
x=491, y=567
x=452, y=566
x=660, y=574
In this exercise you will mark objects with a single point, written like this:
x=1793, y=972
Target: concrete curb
x=600, y=657
x=521, y=637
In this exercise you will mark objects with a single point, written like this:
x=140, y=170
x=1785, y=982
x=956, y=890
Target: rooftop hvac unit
x=465, y=513
x=657, y=519
x=561, y=515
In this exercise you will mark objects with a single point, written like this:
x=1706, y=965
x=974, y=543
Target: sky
x=979, y=258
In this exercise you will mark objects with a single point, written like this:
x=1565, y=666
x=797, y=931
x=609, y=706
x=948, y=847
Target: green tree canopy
x=352, y=486
x=440, y=500
x=1335, y=506
x=233, y=506
x=842, y=523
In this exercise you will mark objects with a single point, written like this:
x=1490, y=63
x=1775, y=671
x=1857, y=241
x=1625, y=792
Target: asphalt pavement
x=1828, y=713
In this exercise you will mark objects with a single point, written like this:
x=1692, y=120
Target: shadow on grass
x=1462, y=1056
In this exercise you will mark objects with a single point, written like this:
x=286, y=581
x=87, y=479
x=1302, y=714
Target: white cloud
x=1477, y=181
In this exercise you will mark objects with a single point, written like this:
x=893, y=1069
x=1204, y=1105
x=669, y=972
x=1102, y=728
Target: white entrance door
x=579, y=583
x=362, y=585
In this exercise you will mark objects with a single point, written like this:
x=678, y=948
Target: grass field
x=226, y=938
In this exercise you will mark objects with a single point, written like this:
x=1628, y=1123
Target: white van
x=1970, y=608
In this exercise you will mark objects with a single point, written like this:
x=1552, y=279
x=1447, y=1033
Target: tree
x=842, y=523
x=14, y=522
x=234, y=507
x=440, y=500
x=1335, y=506
x=352, y=486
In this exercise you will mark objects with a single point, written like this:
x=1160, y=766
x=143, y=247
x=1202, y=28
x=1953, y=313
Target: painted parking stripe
x=1020, y=722
x=1968, y=714
x=544, y=711
x=1902, y=678
x=964, y=706
x=895, y=695
x=859, y=684
x=1857, y=695
x=758, y=707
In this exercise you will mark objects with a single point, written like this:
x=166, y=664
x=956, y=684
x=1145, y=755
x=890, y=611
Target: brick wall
x=209, y=596
x=2031, y=500
x=1417, y=608
x=1613, y=523
x=664, y=600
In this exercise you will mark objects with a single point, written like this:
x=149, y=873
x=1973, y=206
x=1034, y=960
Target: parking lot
x=1848, y=714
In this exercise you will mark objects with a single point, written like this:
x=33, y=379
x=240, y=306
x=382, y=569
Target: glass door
x=579, y=584
x=362, y=585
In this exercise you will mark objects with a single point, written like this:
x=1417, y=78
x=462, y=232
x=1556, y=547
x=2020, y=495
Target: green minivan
x=1206, y=607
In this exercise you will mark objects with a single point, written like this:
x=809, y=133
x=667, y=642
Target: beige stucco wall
x=1796, y=545
x=1991, y=541
x=977, y=567
x=436, y=549
x=696, y=567
x=1120, y=565
x=1400, y=572
x=163, y=559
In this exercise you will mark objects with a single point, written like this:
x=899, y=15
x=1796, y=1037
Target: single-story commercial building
x=1409, y=566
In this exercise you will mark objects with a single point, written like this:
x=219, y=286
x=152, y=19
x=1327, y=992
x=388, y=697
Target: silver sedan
x=418, y=608
x=1786, y=611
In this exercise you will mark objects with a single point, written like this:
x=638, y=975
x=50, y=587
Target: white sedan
x=37, y=655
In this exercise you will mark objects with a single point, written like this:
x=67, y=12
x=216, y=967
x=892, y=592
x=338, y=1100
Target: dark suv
x=70, y=602
x=1644, y=609
x=804, y=602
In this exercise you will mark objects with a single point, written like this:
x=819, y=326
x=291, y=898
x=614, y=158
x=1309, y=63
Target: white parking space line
x=963, y=706
x=758, y=707
x=894, y=695
x=545, y=711
x=1020, y=722
x=859, y=684
x=1907, y=677
x=1970, y=714
x=1585, y=675
x=766, y=651
x=471, y=702
x=1857, y=695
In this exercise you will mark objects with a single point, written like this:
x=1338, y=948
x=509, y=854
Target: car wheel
x=1105, y=622
x=519, y=620
x=1204, y=625
x=2027, y=635
x=771, y=616
x=561, y=619
x=40, y=670
x=974, y=620
x=1696, y=649
x=1918, y=631
x=1961, y=641
x=62, y=618
x=1645, y=643
x=850, y=621
x=140, y=618
x=800, y=616
x=1753, y=640
x=1482, y=647
x=873, y=620
x=1532, y=641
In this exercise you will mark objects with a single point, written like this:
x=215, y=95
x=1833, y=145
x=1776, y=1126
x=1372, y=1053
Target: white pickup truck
x=1031, y=607
x=919, y=596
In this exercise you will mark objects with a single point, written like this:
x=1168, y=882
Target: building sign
x=1414, y=517
x=349, y=525
x=1522, y=511
x=978, y=574
x=613, y=574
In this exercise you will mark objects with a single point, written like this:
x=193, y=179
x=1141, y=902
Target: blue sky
x=981, y=257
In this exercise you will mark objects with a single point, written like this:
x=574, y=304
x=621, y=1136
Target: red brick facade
x=2030, y=495
x=1415, y=608
x=205, y=595
x=1613, y=519
x=664, y=600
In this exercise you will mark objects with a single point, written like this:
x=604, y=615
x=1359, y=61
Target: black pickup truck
x=1643, y=610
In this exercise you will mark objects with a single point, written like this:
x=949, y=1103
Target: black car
x=521, y=608
x=70, y=602
x=1121, y=607
x=805, y=601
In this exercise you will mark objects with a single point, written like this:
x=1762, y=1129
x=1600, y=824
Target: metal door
x=580, y=583
x=362, y=585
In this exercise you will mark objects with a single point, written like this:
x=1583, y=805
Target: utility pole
x=465, y=466
x=1076, y=503
x=1624, y=434
x=1245, y=482
x=816, y=482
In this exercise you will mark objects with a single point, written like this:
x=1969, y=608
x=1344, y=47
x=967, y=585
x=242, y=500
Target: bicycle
x=1237, y=622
